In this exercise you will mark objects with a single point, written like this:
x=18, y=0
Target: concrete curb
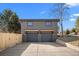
x=67, y=44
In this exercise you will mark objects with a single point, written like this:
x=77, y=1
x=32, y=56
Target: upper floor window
x=29, y=23
x=48, y=23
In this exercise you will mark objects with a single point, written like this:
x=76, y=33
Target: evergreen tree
x=9, y=21
x=14, y=25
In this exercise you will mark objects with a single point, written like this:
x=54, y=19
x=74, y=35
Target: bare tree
x=60, y=11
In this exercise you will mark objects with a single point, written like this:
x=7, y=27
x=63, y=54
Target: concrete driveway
x=39, y=49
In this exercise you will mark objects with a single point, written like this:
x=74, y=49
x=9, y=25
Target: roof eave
x=57, y=20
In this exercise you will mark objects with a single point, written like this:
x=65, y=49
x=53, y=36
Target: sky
x=42, y=11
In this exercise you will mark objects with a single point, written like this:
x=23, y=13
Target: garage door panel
x=46, y=36
x=32, y=36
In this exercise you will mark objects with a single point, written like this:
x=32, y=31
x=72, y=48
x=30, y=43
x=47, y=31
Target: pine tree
x=9, y=21
x=14, y=25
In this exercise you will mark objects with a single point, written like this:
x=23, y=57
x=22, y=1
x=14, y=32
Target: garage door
x=36, y=36
x=46, y=36
x=32, y=36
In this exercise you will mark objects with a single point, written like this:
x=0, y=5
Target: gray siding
x=39, y=25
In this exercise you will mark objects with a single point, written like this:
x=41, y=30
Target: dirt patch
x=74, y=40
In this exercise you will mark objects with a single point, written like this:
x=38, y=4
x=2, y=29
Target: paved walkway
x=39, y=49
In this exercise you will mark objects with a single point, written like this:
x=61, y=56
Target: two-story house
x=39, y=30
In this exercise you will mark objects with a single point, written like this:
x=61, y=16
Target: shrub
x=67, y=32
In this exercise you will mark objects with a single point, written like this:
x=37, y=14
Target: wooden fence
x=9, y=40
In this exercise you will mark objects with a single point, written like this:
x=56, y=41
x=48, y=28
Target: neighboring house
x=39, y=30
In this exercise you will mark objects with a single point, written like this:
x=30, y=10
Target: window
x=48, y=23
x=29, y=23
